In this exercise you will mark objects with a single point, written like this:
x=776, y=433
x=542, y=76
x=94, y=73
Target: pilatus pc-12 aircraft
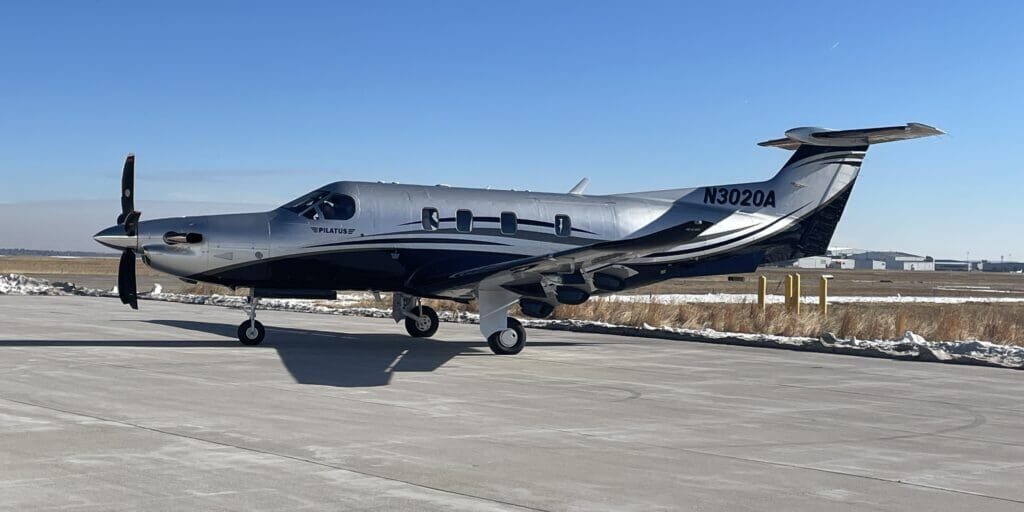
x=502, y=247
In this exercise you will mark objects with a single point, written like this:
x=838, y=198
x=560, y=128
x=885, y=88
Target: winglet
x=580, y=187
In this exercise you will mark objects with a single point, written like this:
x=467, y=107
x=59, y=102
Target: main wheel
x=509, y=341
x=251, y=334
x=425, y=326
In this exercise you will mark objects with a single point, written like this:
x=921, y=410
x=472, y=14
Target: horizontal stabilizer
x=850, y=138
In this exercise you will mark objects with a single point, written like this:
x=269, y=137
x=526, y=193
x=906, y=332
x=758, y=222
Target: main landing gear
x=504, y=335
x=251, y=332
x=508, y=341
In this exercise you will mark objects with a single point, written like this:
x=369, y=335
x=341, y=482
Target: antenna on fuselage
x=580, y=187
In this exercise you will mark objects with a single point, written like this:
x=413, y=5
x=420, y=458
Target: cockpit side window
x=322, y=204
x=338, y=207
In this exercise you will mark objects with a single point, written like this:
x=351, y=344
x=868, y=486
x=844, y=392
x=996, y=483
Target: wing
x=523, y=275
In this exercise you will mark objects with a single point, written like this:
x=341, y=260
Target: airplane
x=502, y=247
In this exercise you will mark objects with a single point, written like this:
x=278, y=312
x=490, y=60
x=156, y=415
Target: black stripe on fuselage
x=783, y=245
x=724, y=242
x=496, y=220
x=808, y=153
x=831, y=160
x=398, y=240
x=362, y=268
x=521, y=234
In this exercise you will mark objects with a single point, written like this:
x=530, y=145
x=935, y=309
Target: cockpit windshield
x=303, y=203
x=322, y=204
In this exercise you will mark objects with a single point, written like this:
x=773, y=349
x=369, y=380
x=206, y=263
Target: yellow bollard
x=796, y=293
x=789, y=293
x=823, y=296
x=762, y=291
x=901, y=323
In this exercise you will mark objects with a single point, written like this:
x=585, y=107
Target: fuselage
x=415, y=239
x=394, y=234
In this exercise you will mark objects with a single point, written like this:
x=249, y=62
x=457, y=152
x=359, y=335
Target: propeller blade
x=126, y=279
x=127, y=188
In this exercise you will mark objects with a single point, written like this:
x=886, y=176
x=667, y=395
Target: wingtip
x=926, y=129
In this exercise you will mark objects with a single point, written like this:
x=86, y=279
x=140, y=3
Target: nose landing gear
x=420, y=321
x=424, y=325
x=251, y=332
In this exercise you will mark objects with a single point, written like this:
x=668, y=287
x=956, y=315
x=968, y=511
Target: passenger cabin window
x=563, y=226
x=464, y=221
x=431, y=219
x=508, y=223
x=338, y=207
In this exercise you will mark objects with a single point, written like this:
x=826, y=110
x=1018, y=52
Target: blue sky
x=242, y=102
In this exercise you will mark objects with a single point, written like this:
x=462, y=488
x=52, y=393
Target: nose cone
x=115, y=238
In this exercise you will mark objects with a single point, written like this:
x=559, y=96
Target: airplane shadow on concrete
x=325, y=358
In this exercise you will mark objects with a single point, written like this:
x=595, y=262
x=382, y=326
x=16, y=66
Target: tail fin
x=820, y=175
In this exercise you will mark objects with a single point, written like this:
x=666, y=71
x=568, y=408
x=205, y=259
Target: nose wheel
x=251, y=331
x=423, y=323
x=420, y=321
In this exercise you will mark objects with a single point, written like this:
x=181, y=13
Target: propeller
x=129, y=219
x=126, y=279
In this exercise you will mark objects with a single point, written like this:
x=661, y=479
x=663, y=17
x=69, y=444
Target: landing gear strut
x=251, y=332
x=420, y=321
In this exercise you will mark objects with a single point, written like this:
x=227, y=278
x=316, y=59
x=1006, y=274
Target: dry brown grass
x=999, y=323
x=39, y=265
x=211, y=289
x=1003, y=323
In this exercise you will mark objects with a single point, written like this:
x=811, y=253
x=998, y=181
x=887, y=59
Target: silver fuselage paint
x=388, y=218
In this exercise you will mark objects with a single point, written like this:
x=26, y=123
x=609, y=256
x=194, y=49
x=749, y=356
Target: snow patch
x=15, y=284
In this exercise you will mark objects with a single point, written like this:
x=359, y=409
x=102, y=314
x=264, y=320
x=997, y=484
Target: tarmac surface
x=106, y=408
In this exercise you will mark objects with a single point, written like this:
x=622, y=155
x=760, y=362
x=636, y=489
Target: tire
x=418, y=329
x=245, y=336
x=494, y=340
